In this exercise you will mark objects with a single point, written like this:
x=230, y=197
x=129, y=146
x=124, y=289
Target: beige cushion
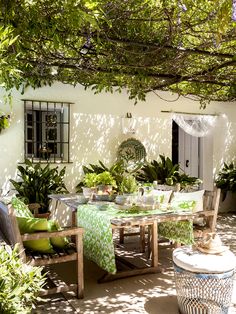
x=192, y=196
x=164, y=196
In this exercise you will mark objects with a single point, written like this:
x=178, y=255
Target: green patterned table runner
x=98, y=240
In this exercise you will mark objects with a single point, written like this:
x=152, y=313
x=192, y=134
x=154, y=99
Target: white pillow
x=163, y=196
x=191, y=196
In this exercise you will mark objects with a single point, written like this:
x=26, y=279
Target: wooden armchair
x=9, y=229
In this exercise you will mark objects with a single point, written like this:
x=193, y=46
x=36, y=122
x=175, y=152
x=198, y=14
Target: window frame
x=44, y=149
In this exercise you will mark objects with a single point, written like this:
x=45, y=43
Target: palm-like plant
x=164, y=171
x=36, y=183
x=226, y=178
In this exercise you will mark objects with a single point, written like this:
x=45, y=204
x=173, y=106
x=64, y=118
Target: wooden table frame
x=150, y=221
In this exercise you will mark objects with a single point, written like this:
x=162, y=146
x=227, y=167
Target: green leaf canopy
x=184, y=46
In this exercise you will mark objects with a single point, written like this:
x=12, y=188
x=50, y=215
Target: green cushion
x=21, y=209
x=30, y=225
x=41, y=245
x=59, y=242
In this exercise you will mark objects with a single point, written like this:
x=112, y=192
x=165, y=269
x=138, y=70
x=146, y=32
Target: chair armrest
x=48, y=234
x=206, y=213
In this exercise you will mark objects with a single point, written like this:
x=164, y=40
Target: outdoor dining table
x=100, y=219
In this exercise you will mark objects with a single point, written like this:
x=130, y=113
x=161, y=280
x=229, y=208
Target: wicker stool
x=204, y=282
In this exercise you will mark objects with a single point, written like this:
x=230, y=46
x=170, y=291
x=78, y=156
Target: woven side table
x=204, y=282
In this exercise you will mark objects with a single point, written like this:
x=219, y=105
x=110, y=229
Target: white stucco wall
x=96, y=128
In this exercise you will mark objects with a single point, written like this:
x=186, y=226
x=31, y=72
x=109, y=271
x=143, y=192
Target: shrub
x=19, y=283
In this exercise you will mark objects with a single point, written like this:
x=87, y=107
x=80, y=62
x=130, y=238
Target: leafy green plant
x=226, y=178
x=19, y=283
x=105, y=178
x=164, y=171
x=117, y=171
x=186, y=181
x=90, y=180
x=128, y=185
x=37, y=183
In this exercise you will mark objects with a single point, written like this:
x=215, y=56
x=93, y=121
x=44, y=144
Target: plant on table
x=90, y=180
x=36, y=183
x=105, y=181
x=19, y=283
x=128, y=185
x=117, y=171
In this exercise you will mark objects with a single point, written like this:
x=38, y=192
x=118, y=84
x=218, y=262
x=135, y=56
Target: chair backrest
x=9, y=227
x=211, y=200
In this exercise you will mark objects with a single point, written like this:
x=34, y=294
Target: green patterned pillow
x=21, y=209
x=183, y=205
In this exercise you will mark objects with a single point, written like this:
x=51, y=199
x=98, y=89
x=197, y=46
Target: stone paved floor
x=152, y=293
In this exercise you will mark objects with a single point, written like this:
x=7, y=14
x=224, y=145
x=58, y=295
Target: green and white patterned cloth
x=98, y=240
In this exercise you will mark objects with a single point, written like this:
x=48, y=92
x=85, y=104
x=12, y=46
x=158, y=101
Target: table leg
x=154, y=244
x=142, y=239
x=121, y=231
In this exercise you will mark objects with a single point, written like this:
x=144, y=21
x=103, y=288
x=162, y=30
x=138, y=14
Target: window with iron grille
x=47, y=131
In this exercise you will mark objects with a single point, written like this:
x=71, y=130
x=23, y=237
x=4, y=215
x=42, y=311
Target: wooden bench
x=9, y=229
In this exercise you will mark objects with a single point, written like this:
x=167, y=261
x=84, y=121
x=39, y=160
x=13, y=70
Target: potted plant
x=105, y=182
x=36, y=183
x=4, y=122
x=226, y=181
x=128, y=185
x=89, y=184
x=127, y=188
x=164, y=173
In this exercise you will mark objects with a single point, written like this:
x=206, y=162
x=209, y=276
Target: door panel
x=189, y=153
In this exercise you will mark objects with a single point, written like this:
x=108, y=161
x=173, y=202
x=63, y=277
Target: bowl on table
x=104, y=197
x=81, y=199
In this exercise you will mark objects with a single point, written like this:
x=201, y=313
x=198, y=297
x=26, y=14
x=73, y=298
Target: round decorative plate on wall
x=132, y=150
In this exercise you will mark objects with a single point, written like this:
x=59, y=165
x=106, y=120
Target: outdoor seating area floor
x=148, y=293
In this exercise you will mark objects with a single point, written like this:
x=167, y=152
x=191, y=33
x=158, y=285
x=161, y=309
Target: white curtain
x=195, y=125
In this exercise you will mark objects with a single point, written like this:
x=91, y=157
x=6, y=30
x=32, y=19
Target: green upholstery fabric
x=21, y=209
x=30, y=225
x=59, y=242
x=41, y=245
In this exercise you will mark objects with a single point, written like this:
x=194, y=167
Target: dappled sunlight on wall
x=97, y=137
x=224, y=143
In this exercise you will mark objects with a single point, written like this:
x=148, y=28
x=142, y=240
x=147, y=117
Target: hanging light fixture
x=128, y=124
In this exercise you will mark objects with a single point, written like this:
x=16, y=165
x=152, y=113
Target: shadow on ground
x=152, y=293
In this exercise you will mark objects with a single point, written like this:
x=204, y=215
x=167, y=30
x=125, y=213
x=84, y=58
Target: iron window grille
x=47, y=131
